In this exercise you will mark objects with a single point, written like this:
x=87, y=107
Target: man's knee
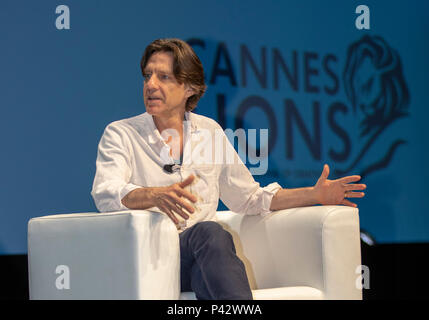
x=213, y=234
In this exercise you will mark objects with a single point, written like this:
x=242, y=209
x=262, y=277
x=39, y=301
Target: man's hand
x=333, y=192
x=172, y=200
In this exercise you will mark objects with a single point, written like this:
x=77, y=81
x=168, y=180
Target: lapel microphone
x=170, y=168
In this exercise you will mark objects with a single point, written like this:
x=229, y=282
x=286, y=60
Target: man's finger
x=349, y=203
x=350, y=187
x=325, y=172
x=170, y=214
x=354, y=194
x=186, y=194
x=349, y=179
x=180, y=212
x=173, y=208
x=187, y=181
x=180, y=202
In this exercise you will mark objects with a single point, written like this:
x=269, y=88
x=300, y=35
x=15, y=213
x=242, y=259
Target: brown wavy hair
x=187, y=67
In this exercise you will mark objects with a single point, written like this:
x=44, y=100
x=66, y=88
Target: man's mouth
x=154, y=99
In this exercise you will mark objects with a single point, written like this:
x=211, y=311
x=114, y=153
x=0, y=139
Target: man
x=150, y=162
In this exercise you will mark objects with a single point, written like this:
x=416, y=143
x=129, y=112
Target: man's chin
x=153, y=110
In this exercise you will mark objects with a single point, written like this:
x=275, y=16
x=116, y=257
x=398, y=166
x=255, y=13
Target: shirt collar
x=189, y=116
x=155, y=136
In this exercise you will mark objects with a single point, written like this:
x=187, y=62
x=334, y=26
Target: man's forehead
x=160, y=61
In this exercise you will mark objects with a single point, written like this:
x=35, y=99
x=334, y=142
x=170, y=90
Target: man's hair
x=187, y=67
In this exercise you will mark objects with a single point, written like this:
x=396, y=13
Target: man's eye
x=165, y=77
x=146, y=76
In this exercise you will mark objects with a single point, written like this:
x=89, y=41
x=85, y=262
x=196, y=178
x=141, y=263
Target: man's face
x=163, y=95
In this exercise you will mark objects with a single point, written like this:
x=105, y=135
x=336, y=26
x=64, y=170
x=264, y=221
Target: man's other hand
x=334, y=192
x=174, y=199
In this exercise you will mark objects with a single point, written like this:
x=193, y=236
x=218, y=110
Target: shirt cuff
x=125, y=190
x=268, y=194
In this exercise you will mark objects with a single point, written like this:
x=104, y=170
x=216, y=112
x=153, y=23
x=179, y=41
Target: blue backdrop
x=327, y=91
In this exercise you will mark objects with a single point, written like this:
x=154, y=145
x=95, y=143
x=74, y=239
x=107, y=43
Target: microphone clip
x=170, y=168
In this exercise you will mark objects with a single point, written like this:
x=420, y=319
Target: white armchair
x=302, y=253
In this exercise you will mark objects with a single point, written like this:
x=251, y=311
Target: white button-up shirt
x=132, y=154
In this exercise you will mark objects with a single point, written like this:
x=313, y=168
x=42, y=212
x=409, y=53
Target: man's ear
x=189, y=91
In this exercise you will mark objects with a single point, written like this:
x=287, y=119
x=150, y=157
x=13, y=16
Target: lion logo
x=375, y=86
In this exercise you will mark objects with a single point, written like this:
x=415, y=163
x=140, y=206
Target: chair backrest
x=317, y=247
x=252, y=248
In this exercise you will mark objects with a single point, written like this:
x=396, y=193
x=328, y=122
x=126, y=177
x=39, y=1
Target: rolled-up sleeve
x=239, y=190
x=113, y=170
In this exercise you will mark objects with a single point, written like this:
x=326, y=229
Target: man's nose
x=152, y=82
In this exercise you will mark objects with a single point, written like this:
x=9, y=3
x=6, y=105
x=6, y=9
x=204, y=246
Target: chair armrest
x=130, y=254
x=315, y=246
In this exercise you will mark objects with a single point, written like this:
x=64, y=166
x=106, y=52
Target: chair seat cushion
x=288, y=293
x=284, y=293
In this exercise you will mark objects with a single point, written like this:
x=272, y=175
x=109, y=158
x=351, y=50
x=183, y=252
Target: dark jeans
x=209, y=265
